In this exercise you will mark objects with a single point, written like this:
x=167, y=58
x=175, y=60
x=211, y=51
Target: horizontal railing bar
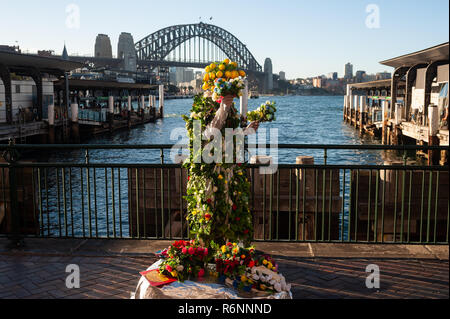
x=385, y=243
x=285, y=166
x=250, y=146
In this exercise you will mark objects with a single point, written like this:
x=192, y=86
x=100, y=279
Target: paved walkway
x=110, y=269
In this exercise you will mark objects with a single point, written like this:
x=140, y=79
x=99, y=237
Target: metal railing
x=298, y=203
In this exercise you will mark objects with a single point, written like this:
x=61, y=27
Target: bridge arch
x=157, y=46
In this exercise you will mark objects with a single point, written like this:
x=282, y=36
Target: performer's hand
x=228, y=100
x=254, y=126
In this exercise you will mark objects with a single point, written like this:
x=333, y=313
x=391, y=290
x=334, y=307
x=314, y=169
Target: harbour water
x=300, y=120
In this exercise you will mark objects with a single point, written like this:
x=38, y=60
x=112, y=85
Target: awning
x=94, y=84
x=17, y=61
x=433, y=54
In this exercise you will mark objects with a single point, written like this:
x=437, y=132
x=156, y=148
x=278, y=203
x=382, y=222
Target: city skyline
x=335, y=33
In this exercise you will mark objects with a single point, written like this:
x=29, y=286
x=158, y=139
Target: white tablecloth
x=194, y=290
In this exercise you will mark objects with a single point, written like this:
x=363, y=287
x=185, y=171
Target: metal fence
x=297, y=203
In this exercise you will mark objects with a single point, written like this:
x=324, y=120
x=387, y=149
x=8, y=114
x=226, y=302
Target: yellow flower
x=219, y=74
x=212, y=76
x=228, y=74
x=194, y=212
x=228, y=256
x=240, y=173
x=220, y=177
x=174, y=273
x=234, y=74
x=206, y=77
x=234, y=244
x=222, y=67
x=234, y=64
x=208, y=69
x=226, y=61
x=212, y=66
x=224, y=249
x=265, y=262
x=242, y=73
x=205, y=86
x=243, y=279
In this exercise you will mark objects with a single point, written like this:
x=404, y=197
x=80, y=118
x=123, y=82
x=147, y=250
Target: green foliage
x=217, y=194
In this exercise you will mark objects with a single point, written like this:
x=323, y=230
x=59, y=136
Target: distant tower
x=268, y=75
x=127, y=51
x=64, y=55
x=283, y=76
x=103, y=47
x=348, y=72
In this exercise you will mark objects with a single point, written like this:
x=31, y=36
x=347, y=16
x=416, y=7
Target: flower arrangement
x=265, y=113
x=233, y=260
x=222, y=79
x=240, y=268
x=184, y=259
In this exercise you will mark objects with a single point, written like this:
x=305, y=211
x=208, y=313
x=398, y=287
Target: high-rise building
x=332, y=76
x=188, y=75
x=348, y=71
x=268, y=75
x=103, y=47
x=127, y=51
x=360, y=76
x=283, y=76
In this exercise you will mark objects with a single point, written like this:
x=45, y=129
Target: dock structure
x=39, y=103
x=24, y=104
x=411, y=108
x=103, y=106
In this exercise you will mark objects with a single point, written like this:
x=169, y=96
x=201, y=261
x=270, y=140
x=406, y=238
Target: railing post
x=11, y=156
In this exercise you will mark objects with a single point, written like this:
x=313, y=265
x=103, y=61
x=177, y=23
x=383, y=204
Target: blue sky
x=303, y=38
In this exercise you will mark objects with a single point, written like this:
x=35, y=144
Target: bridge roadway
x=114, y=63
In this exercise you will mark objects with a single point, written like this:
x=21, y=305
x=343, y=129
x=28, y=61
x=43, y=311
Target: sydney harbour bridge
x=188, y=45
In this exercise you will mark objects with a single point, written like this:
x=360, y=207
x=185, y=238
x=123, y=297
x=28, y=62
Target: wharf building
x=409, y=108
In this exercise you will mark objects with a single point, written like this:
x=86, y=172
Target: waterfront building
x=282, y=76
x=127, y=51
x=103, y=48
x=383, y=76
x=318, y=82
x=348, y=71
x=410, y=108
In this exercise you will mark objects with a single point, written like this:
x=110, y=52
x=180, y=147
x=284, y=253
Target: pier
x=51, y=108
x=412, y=108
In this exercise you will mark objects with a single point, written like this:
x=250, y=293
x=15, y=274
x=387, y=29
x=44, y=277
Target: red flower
x=191, y=251
x=246, y=231
x=208, y=217
x=209, y=201
x=206, y=251
x=169, y=269
x=251, y=264
x=184, y=251
x=238, y=219
x=234, y=207
x=189, y=178
x=201, y=273
x=239, y=164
